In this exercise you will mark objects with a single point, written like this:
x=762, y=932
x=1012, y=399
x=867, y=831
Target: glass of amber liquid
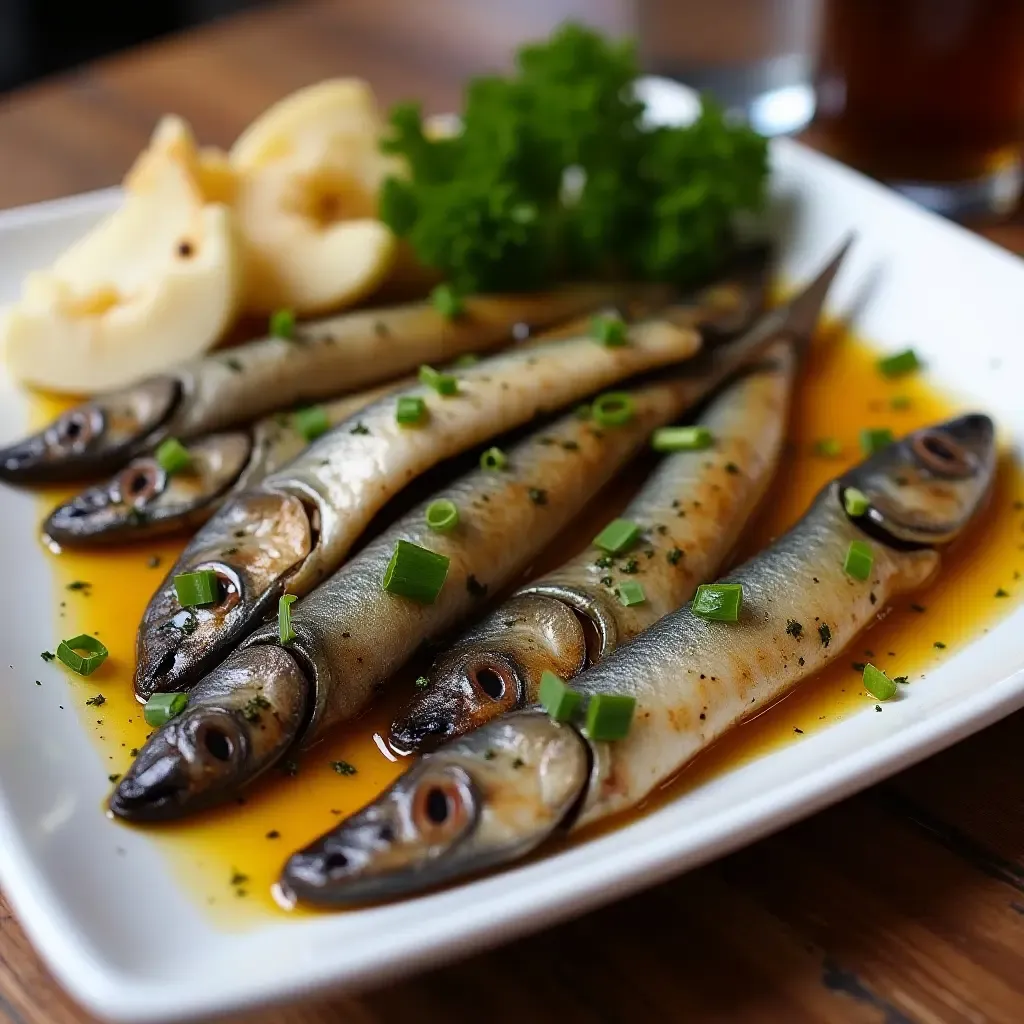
x=927, y=96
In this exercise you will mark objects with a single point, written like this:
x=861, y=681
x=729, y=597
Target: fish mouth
x=482, y=800
x=145, y=501
x=95, y=438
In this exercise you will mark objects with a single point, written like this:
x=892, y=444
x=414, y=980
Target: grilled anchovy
x=690, y=512
x=236, y=386
x=492, y=796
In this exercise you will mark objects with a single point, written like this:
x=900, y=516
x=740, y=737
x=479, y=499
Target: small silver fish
x=494, y=795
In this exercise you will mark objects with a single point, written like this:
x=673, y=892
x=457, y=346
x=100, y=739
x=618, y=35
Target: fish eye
x=491, y=680
x=140, y=482
x=441, y=807
x=77, y=427
x=941, y=454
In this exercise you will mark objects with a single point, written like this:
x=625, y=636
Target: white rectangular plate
x=124, y=939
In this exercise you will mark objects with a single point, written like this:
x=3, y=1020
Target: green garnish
x=719, y=602
x=172, y=456
x=487, y=207
x=443, y=383
x=195, y=589
x=96, y=702
x=494, y=459
x=610, y=331
x=618, y=535
x=1002, y=593
x=83, y=585
x=422, y=682
x=873, y=439
x=162, y=707
x=254, y=707
x=613, y=409
x=855, y=502
x=859, y=560
x=794, y=628
x=47, y=656
x=343, y=767
x=410, y=411
x=556, y=698
x=466, y=359
x=939, y=644
x=609, y=716
x=442, y=515
x=630, y=592
x=311, y=422
x=674, y=555
x=415, y=572
x=825, y=633
x=828, y=447
x=681, y=439
x=878, y=684
x=282, y=324
x=582, y=412
x=284, y=618
x=899, y=402
x=899, y=364
x=447, y=301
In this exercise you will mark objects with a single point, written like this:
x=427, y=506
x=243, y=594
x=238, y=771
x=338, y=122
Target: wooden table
x=905, y=903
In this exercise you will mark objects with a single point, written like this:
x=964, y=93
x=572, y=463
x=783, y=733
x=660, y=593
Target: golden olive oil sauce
x=230, y=857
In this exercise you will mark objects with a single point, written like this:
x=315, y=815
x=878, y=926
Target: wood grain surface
x=905, y=903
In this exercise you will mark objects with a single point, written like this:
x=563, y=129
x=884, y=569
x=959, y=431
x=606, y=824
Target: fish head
x=481, y=800
x=239, y=721
x=143, y=500
x=924, y=489
x=492, y=670
x=93, y=438
x=251, y=544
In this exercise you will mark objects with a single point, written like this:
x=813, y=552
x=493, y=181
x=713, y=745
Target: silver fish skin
x=691, y=512
x=352, y=635
x=291, y=531
x=238, y=385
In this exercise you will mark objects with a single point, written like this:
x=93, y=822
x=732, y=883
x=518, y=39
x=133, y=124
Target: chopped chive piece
x=195, y=589
x=447, y=301
x=69, y=653
x=613, y=409
x=282, y=324
x=618, y=535
x=172, y=456
x=344, y=768
x=162, y=707
x=442, y=515
x=311, y=422
x=878, y=684
x=443, y=383
x=720, y=602
x=609, y=330
x=828, y=447
x=410, y=411
x=415, y=572
x=284, y=618
x=859, y=560
x=422, y=682
x=609, y=716
x=630, y=592
x=873, y=439
x=466, y=359
x=556, y=698
x=855, y=502
x=494, y=459
x=899, y=363
x=681, y=439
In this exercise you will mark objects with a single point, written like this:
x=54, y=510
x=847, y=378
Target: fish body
x=692, y=680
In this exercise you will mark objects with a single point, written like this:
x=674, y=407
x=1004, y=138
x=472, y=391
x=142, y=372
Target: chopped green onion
x=172, y=456
x=720, y=602
x=195, y=589
x=466, y=359
x=609, y=330
x=442, y=515
x=415, y=572
x=556, y=698
x=878, y=684
x=630, y=592
x=855, y=502
x=899, y=363
x=874, y=439
x=311, y=422
x=613, y=409
x=618, y=535
x=84, y=665
x=162, y=707
x=443, y=383
x=828, y=447
x=282, y=324
x=859, y=560
x=410, y=411
x=609, y=716
x=494, y=459
x=284, y=618
x=681, y=439
x=447, y=301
